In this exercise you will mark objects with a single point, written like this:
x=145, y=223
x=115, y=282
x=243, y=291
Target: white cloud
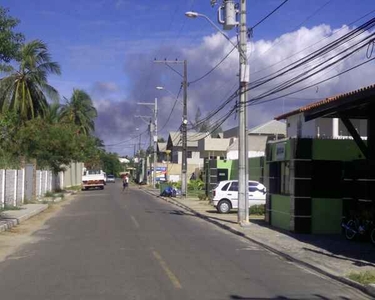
x=265, y=57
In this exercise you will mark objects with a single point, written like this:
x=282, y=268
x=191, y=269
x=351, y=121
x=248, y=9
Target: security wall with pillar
x=306, y=183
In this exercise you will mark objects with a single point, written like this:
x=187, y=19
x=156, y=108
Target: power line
x=254, y=100
x=128, y=140
x=214, y=68
x=271, y=13
x=174, y=105
x=321, y=40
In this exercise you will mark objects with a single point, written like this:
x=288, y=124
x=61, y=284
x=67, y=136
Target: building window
x=189, y=154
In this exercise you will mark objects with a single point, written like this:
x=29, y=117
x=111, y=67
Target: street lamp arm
x=191, y=14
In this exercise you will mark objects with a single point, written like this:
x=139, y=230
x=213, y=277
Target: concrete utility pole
x=184, y=123
x=155, y=124
x=227, y=16
x=243, y=185
x=155, y=141
x=184, y=135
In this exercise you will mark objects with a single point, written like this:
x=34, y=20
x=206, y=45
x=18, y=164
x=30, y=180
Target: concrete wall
x=15, y=187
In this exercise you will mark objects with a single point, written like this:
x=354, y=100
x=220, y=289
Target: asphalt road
x=112, y=245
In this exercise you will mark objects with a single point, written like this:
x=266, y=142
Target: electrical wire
x=267, y=16
x=254, y=102
x=321, y=40
x=214, y=68
x=128, y=140
x=174, y=105
x=305, y=75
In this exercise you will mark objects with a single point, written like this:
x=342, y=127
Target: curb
x=367, y=289
x=11, y=222
x=7, y=224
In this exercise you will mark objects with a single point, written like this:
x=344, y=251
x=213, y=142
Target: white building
x=330, y=128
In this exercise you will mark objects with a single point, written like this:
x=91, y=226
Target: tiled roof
x=324, y=101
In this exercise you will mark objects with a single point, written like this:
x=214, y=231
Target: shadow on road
x=315, y=296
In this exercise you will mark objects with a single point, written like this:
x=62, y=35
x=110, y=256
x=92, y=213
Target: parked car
x=225, y=195
x=111, y=178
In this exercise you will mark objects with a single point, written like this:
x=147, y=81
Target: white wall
x=233, y=154
x=321, y=127
x=195, y=158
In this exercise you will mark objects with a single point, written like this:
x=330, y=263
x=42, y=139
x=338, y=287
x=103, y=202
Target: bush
x=258, y=210
x=195, y=185
x=176, y=185
x=202, y=197
x=157, y=185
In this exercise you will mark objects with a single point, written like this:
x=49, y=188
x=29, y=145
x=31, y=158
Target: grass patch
x=363, y=277
x=49, y=194
x=10, y=207
x=74, y=188
x=258, y=210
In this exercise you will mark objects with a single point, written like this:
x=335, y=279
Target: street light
x=162, y=88
x=194, y=15
x=230, y=15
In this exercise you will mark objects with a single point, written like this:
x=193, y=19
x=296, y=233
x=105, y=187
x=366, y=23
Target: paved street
x=112, y=245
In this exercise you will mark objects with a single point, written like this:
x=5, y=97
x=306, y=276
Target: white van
x=225, y=195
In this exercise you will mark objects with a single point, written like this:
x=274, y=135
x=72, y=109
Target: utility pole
x=184, y=135
x=155, y=127
x=155, y=141
x=243, y=183
x=184, y=122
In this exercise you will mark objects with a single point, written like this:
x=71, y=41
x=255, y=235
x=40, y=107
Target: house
x=256, y=146
x=174, y=144
x=321, y=127
x=273, y=129
x=324, y=171
x=124, y=160
x=162, y=152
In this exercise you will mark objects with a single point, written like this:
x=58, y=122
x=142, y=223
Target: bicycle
x=356, y=226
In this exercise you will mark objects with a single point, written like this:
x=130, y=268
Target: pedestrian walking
x=125, y=182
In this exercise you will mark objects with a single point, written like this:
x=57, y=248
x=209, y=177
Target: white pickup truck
x=92, y=179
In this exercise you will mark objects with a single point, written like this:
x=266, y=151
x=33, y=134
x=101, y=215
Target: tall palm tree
x=52, y=113
x=80, y=111
x=26, y=89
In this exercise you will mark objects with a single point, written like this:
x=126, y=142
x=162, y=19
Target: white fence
x=16, y=186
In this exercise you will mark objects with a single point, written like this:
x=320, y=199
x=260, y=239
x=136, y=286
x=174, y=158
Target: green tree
x=25, y=90
x=161, y=140
x=110, y=163
x=52, y=114
x=10, y=41
x=80, y=111
x=52, y=145
x=199, y=125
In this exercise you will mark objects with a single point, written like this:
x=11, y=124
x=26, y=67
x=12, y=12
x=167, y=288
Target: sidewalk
x=331, y=255
x=11, y=218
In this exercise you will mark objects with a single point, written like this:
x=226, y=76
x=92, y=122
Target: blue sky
x=107, y=48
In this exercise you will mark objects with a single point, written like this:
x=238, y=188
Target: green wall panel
x=231, y=165
x=256, y=168
x=280, y=212
x=344, y=150
x=326, y=215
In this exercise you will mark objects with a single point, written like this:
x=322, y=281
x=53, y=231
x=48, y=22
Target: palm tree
x=80, y=111
x=25, y=90
x=52, y=114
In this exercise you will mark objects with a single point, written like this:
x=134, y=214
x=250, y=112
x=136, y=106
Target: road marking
x=136, y=224
x=169, y=273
